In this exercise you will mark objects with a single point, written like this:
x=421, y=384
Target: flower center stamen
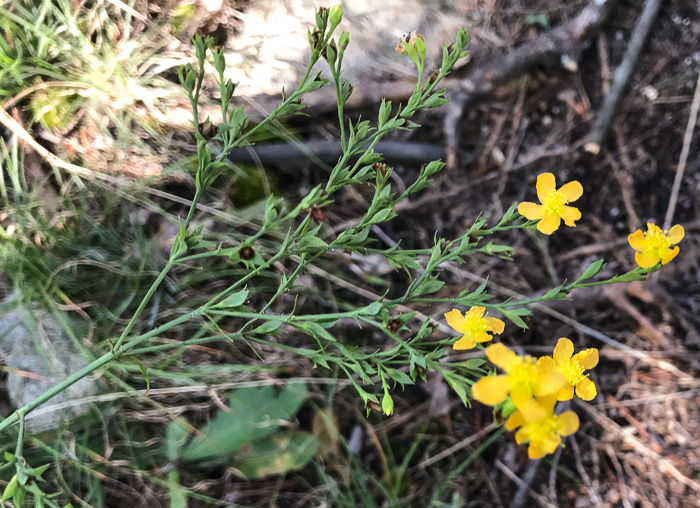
x=573, y=372
x=554, y=203
x=475, y=324
x=524, y=373
x=542, y=431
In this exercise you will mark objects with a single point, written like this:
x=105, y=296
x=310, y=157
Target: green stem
x=195, y=200
x=96, y=364
x=144, y=302
x=185, y=343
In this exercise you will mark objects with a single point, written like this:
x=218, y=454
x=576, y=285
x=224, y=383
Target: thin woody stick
x=683, y=160
x=622, y=76
x=561, y=40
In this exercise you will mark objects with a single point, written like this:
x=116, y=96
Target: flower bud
x=343, y=41
x=387, y=404
x=335, y=15
x=321, y=18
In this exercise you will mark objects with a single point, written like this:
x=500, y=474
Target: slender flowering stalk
x=654, y=246
x=540, y=427
x=474, y=325
x=554, y=204
x=525, y=377
x=573, y=367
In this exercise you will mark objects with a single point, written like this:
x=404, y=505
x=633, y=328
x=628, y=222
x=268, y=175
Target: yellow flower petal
x=549, y=224
x=490, y=390
x=572, y=191
x=672, y=254
x=546, y=184
x=550, y=443
x=531, y=411
x=520, y=394
x=476, y=312
x=563, y=350
x=515, y=420
x=570, y=215
x=501, y=356
x=547, y=403
x=676, y=234
x=465, y=342
x=531, y=211
x=534, y=452
x=522, y=435
x=585, y=389
x=566, y=393
x=484, y=337
x=497, y=325
x=546, y=362
x=456, y=320
x=646, y=259
x=567, y=423
x=549, y=382
x=588, y=358
x=636, y=240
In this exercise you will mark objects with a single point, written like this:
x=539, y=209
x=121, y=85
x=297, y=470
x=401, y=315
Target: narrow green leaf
x=234, y=300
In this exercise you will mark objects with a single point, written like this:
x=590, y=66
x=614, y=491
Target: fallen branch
x=566, y=39
x=622, y=76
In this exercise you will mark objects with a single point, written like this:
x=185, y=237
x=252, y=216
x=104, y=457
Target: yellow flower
x=475, y=326
x=524, y=378
x=655, y=245
x=573, y=367
x=540, y=426
x=553, y=208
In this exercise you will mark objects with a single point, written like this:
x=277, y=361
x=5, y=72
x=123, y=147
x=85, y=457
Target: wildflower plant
x=286, y=242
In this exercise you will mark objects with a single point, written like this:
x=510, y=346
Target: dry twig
x=561, y=40
x=622, y=75
x=682, y=162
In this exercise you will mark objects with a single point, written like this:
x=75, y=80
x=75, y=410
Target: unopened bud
x=336, y=15
x=387, y=404
x=322, y=18
x=343, y=41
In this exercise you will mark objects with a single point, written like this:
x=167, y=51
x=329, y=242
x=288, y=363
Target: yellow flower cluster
x=653, y=247
x=534, y=386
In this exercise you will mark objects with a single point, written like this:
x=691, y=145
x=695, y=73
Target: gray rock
x=40, y=354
